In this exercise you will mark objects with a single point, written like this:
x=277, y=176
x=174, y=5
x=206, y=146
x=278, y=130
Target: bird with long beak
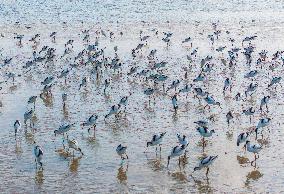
x=253, y=149
x=73, y=144
x=63, y=129
x=38, y=153
x=121, y=151
x=156, y=141
x=205, y=163
x=211, y=101
x=17, y=127
x=177, y=151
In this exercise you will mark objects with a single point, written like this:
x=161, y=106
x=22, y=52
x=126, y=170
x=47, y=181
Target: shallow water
x=100, y=169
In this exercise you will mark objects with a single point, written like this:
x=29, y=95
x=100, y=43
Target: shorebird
x=123, y=102
x=177, y=151
x=174, y=102
x=73, y=144
x=201, y=123
x=47, y=80
x=186, y=89
x=28, y=116
x=211, y=101
x=63, y=129
x=242, y=138
x=32, y=100
x=249, y=112
x=106, y=84
x=199, y=78
x=262, y=123
x=264, y=102
x=251, y=88
x=251, y=74
x=227, y=84
x=229, y=116
x=64, y=74
x=38, y=153
x=275, y=80
x=83, y=83
x=92, y=121
x=182, y=141
x=204, y=132
x=253, y=149
x=174, y=85
x=17, y=126
x=238, y=96
x=205, y=163
x=156, y=141
x=121, y=151
x=113, y=110
x=149, y=92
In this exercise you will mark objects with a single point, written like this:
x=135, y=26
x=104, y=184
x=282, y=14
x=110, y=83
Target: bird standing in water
x=17, y=127
x=156, y=141
x=38, y=153
x=205, y=163
x=177, y=151
x=121, y=151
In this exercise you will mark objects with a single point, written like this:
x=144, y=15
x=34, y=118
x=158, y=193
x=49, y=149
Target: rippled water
x=34, y=11
x=100, y=169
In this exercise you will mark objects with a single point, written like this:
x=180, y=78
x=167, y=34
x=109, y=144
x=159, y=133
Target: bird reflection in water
x=47, y=100
x=74, y=164
x=202, y=186
x=122, y=174
x=179, y=176
x=253, y=176
x=39, y=177
x=65, y=112
x=18, y=148
x=243, y=160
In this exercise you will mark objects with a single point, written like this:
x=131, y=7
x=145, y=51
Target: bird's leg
x=267, y=107
x=250, y=119
x=160, y=148
x=179, y=161
x=207, y=171
x=126, y=156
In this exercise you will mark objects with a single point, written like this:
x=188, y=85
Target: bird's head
x=149, y=143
